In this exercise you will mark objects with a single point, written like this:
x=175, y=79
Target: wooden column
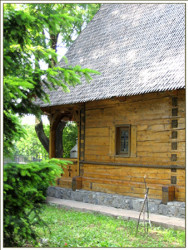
x=78, y=152
x=54, y=120
x=52, y=148
x=82, y=140
x=76, y=118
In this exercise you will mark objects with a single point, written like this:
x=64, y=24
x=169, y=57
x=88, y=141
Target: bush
x=25, y=188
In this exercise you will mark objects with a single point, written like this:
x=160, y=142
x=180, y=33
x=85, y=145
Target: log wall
x=70, y=171
x=157, y=123
x=157, y=145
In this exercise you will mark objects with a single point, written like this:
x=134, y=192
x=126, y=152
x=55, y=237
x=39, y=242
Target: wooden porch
x=70, y=171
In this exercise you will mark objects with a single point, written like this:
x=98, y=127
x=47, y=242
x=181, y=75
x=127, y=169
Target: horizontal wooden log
x=64, y=182
x=136, y=98
x=96, y=132
x=130, y=191
x=180, y=193
x=148, y=135
x=156, y=147
x=96, y=156
x=130, y=179
x=142, y=167
x=95, y=151
x=97, y=141
x=120, y=173
x=151, y=116
x=99, y=158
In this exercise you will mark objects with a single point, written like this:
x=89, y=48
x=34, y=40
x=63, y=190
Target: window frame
x=118, y=129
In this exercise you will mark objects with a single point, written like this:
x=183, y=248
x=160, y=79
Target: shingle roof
x=138, y=48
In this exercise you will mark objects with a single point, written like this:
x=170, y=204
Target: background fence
x=21, y=159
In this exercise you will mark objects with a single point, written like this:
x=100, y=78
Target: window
x=123, y=140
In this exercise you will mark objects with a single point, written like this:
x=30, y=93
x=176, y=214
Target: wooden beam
x=60, y=108
x=54, y=121
x=52, y=143
x=132, y=165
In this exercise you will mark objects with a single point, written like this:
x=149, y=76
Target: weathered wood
x=132, y=99
x=133, y=141
x=78, y=152
x=59, y=139
x=132, y=165
x=168, y=194
x=124, y=190
x=94, y=132
x=127, y=180
x=82, y=138
x=76, y=183
x=151, y=118
x=103, y=141
x=148, y=135
x=98, y=158
x=52, y=143
x=112, y=142
x=69, y=172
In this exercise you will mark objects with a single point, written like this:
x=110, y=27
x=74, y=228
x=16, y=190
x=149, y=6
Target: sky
x=30, y=120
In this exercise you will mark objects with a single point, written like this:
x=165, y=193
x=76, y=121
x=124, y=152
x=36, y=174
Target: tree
x=78, y=15
x=30, y=145
x=25, y=45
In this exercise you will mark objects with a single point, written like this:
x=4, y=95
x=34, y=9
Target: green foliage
x=12, y=121
x=29, y=145
x=70, y=133
x=80, y=230
x=24, y=189
x=31, y=33
x=67, y=20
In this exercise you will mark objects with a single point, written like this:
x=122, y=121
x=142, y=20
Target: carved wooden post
x=52, y=148
x=76, y=118
x=82, y=140
x=54, y=120
x=57, y=123
x=78, y=152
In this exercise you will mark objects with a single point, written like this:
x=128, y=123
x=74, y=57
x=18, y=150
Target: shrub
x=25, y=188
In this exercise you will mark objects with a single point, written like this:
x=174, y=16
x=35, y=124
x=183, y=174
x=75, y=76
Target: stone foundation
x=173, y=208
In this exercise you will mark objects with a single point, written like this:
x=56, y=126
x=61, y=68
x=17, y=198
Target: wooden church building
x=131, y=117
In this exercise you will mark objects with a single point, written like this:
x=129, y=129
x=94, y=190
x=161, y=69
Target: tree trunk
x=42, y=136
x=59, y=139
x=45, y=140
x=53, y=45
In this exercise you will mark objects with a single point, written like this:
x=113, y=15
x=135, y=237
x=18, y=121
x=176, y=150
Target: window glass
x=124, y=141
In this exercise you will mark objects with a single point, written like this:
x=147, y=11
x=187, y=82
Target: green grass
x=78, y=229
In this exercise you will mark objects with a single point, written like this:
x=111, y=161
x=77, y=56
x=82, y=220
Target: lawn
x=80, y=229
